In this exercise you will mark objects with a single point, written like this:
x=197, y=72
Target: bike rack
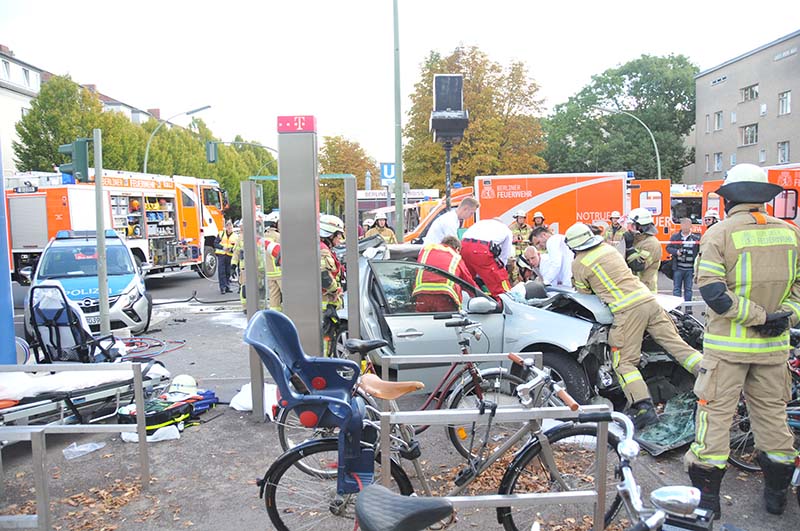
x=36, y=434
x=443, y=417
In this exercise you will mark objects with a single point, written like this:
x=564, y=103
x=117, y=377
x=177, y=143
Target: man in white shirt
x=556, y=264
x=486, y=248
x=448, y=224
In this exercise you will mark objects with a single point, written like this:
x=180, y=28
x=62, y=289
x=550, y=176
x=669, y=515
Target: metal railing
x=519, y=414
x=36, y=434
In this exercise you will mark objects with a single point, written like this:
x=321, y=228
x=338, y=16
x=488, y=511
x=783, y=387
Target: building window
x=750, y=93
x=762, y=155
x=717, y=120
x=707, y=163
x=27, y=75
x=6, y=70
x=733, y=117
x=784, y=103
x=708, y=123
x=25, y=111
x=733, y=159
x=717, y=161
x=783, y=152
x=749, y=134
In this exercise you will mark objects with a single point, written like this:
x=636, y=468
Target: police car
x=71, y=259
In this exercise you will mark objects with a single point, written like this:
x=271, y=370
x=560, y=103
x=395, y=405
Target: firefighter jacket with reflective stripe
x=647, y=248
x=602, y=270
x=273, y=252
x=444, y=258
x=386, y=233
x=225, y=243
x=520, y=233
x=613, y=235
x=332, y=274
x=755, y=257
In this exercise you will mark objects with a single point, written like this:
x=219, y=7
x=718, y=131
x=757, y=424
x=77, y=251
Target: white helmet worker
x=538, y=214
x=380, y=215
x=330, y=225
x=519, y=214
x=368, y=222
x=580, y=237
x=614, y=215
x=642, y=216
x=183, y=383
x=711, y=213
x=747, y=183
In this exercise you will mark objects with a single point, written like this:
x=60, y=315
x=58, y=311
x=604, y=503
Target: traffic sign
x=387, y=173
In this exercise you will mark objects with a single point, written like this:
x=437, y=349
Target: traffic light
x=211, y=152
x=78, y=152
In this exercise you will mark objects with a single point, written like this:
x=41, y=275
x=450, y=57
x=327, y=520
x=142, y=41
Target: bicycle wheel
x=574, y=451
x=496, y=386
x=742, y=441
x=297, y=500
x=292, y=433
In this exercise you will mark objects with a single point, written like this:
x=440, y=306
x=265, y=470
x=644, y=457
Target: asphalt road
x=206, y=480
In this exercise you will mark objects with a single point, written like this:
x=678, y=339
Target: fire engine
x=168, y=222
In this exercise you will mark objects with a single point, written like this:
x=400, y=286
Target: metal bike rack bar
x=506, y=415
x=36, y=434
x=452, y=358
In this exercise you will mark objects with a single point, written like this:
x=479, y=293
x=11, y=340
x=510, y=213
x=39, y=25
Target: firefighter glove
x=776, y=324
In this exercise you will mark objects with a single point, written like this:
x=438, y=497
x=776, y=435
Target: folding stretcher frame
x=36, y=433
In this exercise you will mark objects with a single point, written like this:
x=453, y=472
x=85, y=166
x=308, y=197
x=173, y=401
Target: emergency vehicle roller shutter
x=28, y=219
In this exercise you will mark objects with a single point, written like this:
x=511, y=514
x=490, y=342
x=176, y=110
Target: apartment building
x=744, y=110
x=20, y=83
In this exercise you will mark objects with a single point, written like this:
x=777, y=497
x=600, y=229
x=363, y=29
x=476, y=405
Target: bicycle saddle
x=362, y=346
x=380, y=509
x=375, y=386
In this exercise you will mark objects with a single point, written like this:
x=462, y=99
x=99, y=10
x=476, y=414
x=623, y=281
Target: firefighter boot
x=708, y=480
x=643, y=413
x=777, y=477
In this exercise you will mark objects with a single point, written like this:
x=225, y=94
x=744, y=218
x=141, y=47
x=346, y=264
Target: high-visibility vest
x=429, y=282
x=603, y=271
x=227, y=243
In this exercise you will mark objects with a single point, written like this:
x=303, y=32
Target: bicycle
x=462, y=386
x=378, y=509
x=560, y=458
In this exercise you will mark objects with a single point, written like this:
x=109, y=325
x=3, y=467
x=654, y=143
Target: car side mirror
x=481, y=305
x=26, y=275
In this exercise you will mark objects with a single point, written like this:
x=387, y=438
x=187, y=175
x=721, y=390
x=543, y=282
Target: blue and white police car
x=71, y=259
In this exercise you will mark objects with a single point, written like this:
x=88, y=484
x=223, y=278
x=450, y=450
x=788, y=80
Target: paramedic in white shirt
x=448, y=224
x=556, y=264
x=486, y=249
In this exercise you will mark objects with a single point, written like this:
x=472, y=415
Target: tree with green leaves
x=339, y=155
x=659, y=91
x=504, y=135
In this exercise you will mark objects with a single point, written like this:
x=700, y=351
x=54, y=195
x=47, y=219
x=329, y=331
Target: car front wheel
x=564, y=369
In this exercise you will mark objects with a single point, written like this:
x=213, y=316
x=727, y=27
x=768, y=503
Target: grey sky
x=255, y=60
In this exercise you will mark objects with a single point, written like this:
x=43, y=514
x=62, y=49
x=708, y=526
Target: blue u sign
x=387, y=170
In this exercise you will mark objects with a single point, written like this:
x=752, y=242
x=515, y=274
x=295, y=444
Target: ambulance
x=168, y=222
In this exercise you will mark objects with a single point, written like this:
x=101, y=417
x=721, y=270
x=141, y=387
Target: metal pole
x=8, y=352
x=448, y=147
x=389, y=197
x=141, y=425
x=399, y=230
x=149, y=140
x=351, y=258
x=653, y=138
x=248, y=190
x=600, y=480
x=100, y=224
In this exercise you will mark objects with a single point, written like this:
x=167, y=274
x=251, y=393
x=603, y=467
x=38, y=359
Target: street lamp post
x=655, y=146
x=162, y=122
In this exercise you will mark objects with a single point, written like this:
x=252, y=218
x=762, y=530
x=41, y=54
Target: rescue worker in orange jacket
x=433, y=292
x=486, y=249
x=748, y=272
x=598, y=268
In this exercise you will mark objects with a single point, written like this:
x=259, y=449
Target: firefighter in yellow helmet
x=382, y=229
x=747, y=272
x=238, y=265
x=643, y=250
x=598, y=268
